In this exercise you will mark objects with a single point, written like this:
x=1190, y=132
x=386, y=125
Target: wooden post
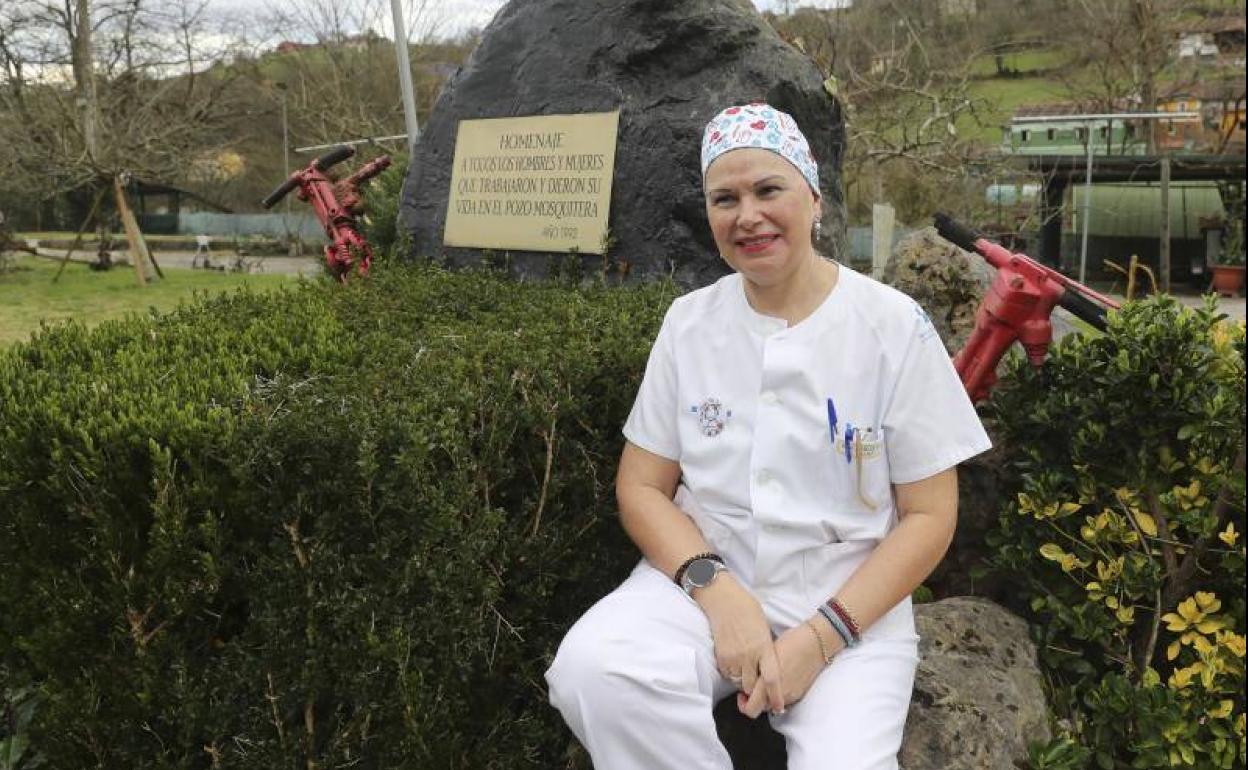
x=883, y=219
x=151, y=257
x=133, y=236
x=1164, y=265
x=86, y=222
x=1052, y=200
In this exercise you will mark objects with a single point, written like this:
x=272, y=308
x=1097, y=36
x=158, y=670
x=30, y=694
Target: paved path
x=301, y=266
x=1233, y=307
x=1064, y=323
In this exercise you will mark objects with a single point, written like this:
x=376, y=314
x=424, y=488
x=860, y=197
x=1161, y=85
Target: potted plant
x=1228, y=271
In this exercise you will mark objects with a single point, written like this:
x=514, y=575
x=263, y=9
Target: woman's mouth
x=757, y=243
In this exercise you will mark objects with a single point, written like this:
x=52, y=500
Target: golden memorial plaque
x=538, y=183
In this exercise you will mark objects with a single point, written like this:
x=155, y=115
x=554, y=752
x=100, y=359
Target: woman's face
x=761, y=212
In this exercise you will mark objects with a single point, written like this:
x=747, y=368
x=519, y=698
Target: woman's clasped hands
x=769, y=674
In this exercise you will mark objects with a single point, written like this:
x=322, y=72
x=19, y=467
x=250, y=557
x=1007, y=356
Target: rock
x=751, y=743
x=978, y=695
x=947, y=281
x=669, y=65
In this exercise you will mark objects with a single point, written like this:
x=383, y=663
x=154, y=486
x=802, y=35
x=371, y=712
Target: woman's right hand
x=743, y=643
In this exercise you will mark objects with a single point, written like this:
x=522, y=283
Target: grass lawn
x=1001, y=97
x=1021, y=61
x=28, y=297
x=996, y=99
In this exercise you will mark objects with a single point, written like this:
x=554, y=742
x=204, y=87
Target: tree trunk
x=1150, y=57
x=84, y=76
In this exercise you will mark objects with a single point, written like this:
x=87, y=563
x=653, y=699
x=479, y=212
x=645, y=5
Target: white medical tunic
x=758, y=413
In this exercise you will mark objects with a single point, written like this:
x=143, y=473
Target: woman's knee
x=577, y=671
x=599, y=667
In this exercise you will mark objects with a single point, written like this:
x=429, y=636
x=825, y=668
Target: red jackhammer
x=1017, y=307
x=336, y=205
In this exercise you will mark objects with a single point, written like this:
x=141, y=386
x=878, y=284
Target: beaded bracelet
x=850, y=621
x=839, y=626
x=823, y=646
x=680, y=571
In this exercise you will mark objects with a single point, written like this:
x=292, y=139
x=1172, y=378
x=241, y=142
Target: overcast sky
x=459, y=15
x=462, y=14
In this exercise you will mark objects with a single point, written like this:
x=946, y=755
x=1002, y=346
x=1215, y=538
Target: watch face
x=700, y=572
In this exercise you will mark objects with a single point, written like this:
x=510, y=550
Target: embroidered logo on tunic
x=712, y=416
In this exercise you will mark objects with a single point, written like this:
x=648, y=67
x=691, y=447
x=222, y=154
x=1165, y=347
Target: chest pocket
x=859, y=472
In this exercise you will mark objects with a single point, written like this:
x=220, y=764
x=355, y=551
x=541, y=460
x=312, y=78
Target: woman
x=790, y=477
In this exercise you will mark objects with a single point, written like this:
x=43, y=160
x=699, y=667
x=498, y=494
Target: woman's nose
x=749, y=214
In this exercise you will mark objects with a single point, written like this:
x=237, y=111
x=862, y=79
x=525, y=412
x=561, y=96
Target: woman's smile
x=756, y=244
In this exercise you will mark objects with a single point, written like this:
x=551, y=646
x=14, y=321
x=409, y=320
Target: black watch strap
x=679, y=577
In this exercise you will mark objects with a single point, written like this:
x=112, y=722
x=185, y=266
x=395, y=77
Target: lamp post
x=291, y=247
x=281, y=87
x=405, y=76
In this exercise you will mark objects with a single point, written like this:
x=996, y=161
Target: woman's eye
x=768, y=190
x=721, y=200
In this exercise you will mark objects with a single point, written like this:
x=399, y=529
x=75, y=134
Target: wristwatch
x=700, y=573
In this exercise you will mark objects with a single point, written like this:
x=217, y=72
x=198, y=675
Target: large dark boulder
x=669, y=66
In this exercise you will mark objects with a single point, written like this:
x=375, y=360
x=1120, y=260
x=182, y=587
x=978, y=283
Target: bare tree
x=339, y=65
x=88, y=90
x=1127, y=46
x=903, y=71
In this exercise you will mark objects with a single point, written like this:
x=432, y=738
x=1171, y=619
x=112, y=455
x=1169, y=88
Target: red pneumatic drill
x=336, y=205
x=1017, y=307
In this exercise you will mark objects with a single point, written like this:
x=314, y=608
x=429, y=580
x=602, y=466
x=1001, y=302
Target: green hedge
x=326, y=527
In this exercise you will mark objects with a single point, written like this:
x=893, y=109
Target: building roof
x=1213, y=25
x=1058, y=109
x=1229, y=90
x=1225, y=90
x=145, y=187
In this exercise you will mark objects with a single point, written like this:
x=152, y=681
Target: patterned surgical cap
x=762, y=126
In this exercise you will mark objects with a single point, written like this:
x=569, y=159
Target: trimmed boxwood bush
x=327, y=527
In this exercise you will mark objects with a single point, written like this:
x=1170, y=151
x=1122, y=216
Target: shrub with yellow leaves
x=1123, y=534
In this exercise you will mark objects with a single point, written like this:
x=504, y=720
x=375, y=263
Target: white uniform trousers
x=636, y=680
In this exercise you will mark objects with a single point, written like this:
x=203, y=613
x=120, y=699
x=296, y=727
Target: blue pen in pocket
x=849, y=442
x=832, y=422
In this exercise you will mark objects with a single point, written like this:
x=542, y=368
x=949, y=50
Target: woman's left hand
x=801, y=662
